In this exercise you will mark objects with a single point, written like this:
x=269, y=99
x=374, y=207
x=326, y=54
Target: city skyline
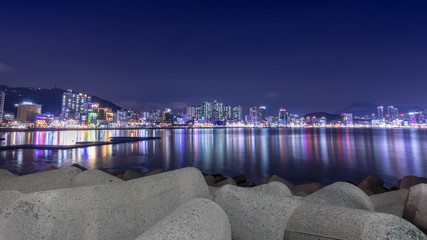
x=308, y=55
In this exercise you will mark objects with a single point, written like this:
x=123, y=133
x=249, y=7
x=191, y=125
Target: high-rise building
x=73, y=105
x=227, y=112
x=380, y=112
x=198, y=112
x=2, y=97
x=217, y=111
x=207, y=111
x=167, y=116
x=255, y=115
x=190, y=111
x=417, y=118
x=27, y=112
x=237, y=113
x=283, y=116
x=392, y=112
x=347, y=119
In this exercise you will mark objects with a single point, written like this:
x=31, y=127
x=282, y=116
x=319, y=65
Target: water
x=298, y=155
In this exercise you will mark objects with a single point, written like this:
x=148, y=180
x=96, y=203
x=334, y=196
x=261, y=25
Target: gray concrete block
x=254, y=214
x=212, y=191
x=7, y=198
x=276, y=178
x=228, y=181
x=93, y=177
x=54, y=179
x=341, y=194
x=307, y=188
x=314, y=221
x=392, y=202
x=111, y=211
x=197, y=219
x=129, y=175
x=274, y=188
x=408, y=181
x=4, y=174
x=416, y=206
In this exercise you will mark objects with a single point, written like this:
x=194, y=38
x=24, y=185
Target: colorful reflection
x=299, y=155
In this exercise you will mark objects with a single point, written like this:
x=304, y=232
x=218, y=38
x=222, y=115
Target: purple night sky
x=301, y=55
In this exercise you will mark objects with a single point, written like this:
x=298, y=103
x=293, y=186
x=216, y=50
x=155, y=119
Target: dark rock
x=129, y=175
x=239, y=179
x=372, y=184
x=219, y=178
x=50, y=168
x=307, y=188
x=409, y=181
x=276, y=178
x=226, y=182
x=246, y=184
x=394, y=188
x=264, y=181
x=157, y=171
x=79, y=167
x=210, y=180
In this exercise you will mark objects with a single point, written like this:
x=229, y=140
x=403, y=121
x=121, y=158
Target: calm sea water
x=298, y=155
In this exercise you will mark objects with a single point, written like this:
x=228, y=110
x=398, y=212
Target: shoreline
x=4, y=130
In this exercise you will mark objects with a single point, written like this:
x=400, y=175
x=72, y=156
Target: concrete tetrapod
x=93, y=177
x=392, y=202
x=343, y=211
x=54, y=179
x=4, y=174
x=111, y=211
x=8, y=197
x=197, y=219
x=341, y=194
x=416, y=206
x=254, y=214
x=315, y=221
x=274, y=188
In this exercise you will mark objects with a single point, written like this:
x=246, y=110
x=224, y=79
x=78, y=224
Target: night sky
x=301, y=55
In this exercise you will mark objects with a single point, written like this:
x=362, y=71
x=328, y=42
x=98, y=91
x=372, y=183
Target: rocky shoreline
x=76, y=203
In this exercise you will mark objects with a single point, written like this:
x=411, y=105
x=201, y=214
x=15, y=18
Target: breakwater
x=75, y=203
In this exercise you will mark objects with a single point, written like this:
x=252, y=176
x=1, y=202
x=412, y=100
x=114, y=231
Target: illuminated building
x=227, y=112
x=27, y=112
x=347, y=119
x=257, y=114
x=190, y=111
x=198, y=112
x=380, y=110
x=73, y=105
x=2, y=96
x=207, y=111
x=105, y=115
x=167, y=116
x=392, y=112
x=92, y=118
x=283, y=116
x=417, y=118
x=237, y=113
x=217, y=111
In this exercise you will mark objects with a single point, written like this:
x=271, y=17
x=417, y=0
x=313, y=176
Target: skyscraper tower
x=2, y=97
x=380, y=112
x=73, y=104
x=283, y=116
x=237, y=113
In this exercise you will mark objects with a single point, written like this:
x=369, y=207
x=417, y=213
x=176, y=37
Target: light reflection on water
x=299, y=155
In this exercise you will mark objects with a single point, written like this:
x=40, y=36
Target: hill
x=329, y=117
x=49, y=98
